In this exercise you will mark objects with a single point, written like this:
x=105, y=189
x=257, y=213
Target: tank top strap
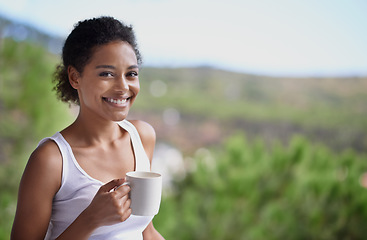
x=142, y=162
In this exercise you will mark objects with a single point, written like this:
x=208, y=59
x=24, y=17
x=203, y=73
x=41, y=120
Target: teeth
x=116, y=101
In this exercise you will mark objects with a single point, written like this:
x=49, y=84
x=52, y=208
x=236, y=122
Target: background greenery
x=246, y=191
x=269, y=158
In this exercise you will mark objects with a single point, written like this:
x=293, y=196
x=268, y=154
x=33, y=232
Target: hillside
x=209, y=104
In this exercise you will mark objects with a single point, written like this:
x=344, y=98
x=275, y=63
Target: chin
x=119, y=118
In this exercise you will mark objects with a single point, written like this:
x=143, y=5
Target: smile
x=116, y=101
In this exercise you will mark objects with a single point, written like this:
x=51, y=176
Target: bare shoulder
x=45, y=165
x=48, y=153
x=146, y=131
x=147, y=136
x=46, y=148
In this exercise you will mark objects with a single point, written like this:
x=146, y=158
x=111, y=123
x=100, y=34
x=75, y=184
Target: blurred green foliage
x=29, y=111
x=248, y=191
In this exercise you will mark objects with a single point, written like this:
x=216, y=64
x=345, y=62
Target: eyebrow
x=113, y=67
x=106, y=66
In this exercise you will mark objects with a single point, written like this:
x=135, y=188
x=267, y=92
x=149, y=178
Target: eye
x=132, y=74
x=106, y=74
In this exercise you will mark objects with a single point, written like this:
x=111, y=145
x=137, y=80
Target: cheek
x=91, y=91
x=136, y=87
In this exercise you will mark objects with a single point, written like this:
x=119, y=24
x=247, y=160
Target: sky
x=269, y=37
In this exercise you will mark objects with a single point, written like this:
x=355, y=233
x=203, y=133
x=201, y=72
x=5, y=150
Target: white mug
x=145, y=192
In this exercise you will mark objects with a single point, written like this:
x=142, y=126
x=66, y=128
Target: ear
x=74, y=77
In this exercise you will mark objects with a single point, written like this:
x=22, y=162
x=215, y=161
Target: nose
x=122, y=83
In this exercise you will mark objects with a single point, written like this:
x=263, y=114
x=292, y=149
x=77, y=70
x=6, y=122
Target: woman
x=68, y=189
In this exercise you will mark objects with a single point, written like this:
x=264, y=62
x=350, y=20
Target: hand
x=110, y=205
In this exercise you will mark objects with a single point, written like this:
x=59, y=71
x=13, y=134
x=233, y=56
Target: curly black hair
x=79, y=47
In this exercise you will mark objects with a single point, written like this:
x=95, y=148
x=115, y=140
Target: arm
x=40, y=182
x=150, y=233
x=148, y=138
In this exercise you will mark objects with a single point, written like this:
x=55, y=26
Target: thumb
x=111, y=185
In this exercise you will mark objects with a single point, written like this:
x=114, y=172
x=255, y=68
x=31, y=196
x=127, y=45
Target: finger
x=126, y=204
x=126, y=214
x=122, y=191
x=111, y=185
x=124, y=183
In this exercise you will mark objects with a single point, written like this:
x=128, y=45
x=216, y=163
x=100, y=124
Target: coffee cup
x=145, y=192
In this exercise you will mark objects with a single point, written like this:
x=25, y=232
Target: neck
x=92, y=131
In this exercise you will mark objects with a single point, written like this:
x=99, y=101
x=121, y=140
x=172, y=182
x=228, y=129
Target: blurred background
x=260, y=109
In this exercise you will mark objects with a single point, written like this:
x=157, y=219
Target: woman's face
x=109, y=83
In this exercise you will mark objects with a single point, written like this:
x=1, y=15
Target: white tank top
x=78, y=189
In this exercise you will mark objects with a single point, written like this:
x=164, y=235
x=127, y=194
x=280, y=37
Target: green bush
x=250, y=191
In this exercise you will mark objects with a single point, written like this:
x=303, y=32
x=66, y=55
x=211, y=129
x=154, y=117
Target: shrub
x=248, y=191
